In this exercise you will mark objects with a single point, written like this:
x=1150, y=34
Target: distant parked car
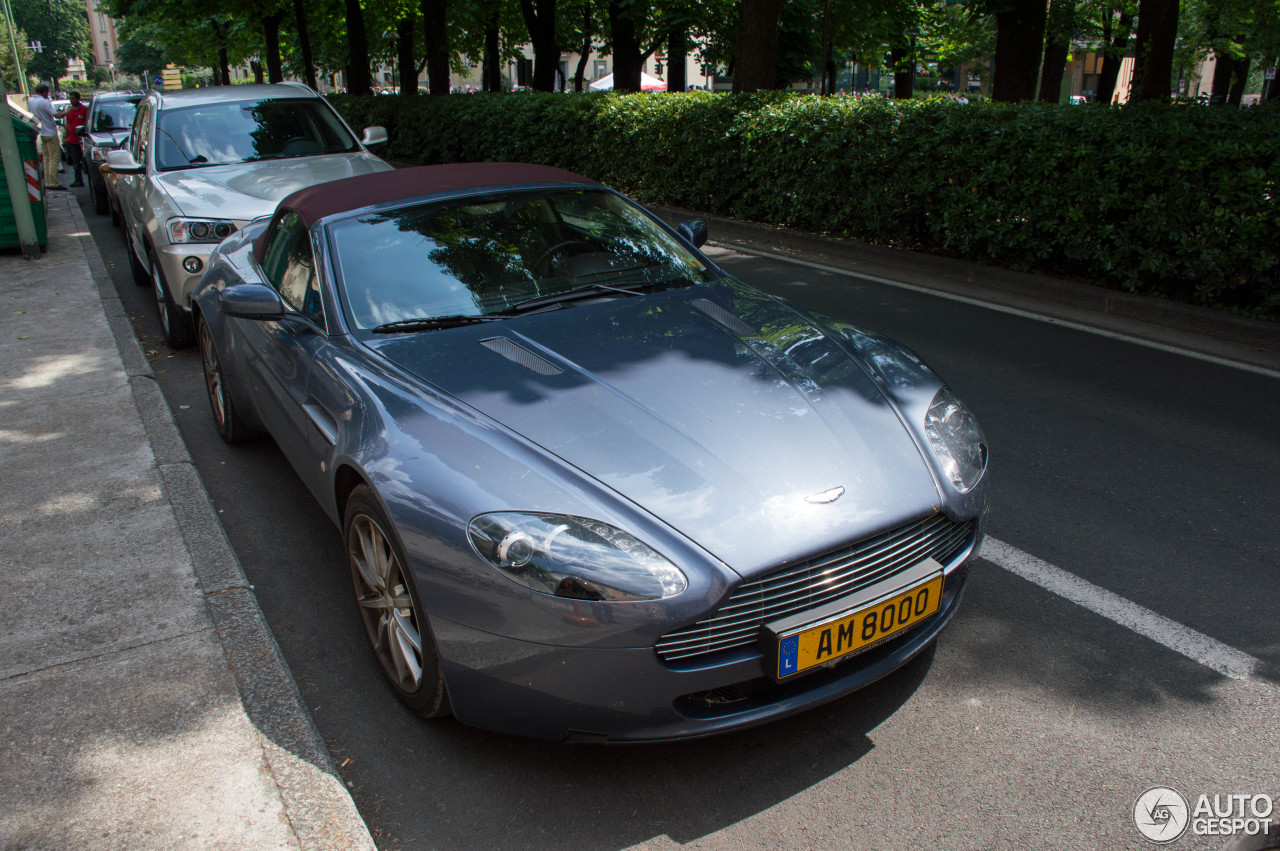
x=110, y=119
x=202, y=163
x=592, y=487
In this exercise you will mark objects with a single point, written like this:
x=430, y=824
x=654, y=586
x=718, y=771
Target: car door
x=283, y=355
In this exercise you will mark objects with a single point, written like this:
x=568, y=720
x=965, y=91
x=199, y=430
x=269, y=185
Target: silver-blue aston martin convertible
x=592, y=488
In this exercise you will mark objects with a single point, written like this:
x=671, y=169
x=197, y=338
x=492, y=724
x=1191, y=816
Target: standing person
x=42, y=109
x=76, y=115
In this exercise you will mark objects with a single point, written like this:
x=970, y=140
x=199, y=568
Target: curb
x=316, y=801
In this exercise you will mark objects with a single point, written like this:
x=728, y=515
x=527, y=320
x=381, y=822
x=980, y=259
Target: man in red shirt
x=77, y=115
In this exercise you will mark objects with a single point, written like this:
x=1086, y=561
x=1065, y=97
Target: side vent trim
x=724, y=317
x=518, y=354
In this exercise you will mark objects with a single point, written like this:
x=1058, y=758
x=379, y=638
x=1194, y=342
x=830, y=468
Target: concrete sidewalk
x=143, y=701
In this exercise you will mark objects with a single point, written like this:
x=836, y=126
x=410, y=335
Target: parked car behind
x=592, y=487
x=110, y=119
x=202, y=163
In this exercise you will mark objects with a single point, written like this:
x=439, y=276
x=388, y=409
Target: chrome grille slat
x=806, y=586
x=866, y=565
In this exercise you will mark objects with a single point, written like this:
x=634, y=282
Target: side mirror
x=122, y=162
x=374, y=136
x=251, y=301
x=694, y=230
x=82, y=131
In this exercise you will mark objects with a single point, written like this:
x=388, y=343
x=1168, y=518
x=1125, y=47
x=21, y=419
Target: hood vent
x=724, y=317
x=518, y=354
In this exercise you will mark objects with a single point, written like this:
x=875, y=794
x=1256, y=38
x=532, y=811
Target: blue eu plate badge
x=788, y=650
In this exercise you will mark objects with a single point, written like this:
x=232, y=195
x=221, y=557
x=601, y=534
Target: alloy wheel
x=213, y=377
x=386, y=604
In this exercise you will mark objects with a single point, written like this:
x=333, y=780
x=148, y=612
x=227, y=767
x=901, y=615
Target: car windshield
x=493, y=254
x=115, y=115
x=246, y=131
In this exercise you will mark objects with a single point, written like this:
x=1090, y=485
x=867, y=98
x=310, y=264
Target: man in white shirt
x=42, y=108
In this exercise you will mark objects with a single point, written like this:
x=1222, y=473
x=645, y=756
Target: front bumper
x=630, y=695
x=180, y=282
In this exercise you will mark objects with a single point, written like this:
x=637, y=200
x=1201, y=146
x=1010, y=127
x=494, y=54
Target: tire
x=394, y=621
x=141, y=275
x=225, y=416
x=115, y=214
x=97, y=196
x=175, y=327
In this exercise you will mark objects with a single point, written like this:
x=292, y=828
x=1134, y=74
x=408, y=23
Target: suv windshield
x=245, y=131
x=115, y=114
x=502, y=253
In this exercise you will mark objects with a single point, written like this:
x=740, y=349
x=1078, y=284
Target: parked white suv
x=202, y=163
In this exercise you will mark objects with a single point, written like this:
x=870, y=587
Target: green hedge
x=1173, y=200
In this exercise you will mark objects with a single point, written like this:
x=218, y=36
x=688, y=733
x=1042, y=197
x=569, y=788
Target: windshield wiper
x=432, y=323
x=584, y=291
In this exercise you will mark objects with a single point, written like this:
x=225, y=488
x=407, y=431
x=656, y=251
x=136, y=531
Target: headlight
x=98, y=155
x=573, y=557
x=199, y=230
x=956, y=440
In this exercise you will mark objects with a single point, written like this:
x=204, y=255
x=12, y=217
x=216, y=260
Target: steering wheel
x=284, y=149
x=546, y=255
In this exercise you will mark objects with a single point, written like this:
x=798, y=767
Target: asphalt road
x=1035, y=723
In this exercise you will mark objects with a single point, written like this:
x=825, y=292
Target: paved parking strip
x=1036, y=722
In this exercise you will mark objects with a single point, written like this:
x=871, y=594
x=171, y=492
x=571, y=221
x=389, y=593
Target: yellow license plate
x=857, y=630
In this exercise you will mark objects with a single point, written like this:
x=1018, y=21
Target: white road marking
x=1012, y=311
x=1181, y=639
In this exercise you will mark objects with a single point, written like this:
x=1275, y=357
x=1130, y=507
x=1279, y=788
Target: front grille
x=813, y=583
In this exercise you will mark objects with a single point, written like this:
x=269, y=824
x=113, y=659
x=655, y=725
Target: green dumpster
x=34, y=194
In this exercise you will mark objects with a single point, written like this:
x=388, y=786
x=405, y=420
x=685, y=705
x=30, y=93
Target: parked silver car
x=202, y=163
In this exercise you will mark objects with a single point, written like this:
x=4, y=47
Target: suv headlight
x=956, y=440
x=199, y=230
x=573, y=557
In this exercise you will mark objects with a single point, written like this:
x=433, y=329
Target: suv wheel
x=174, y=325
x=97, y=196
x=141, y=276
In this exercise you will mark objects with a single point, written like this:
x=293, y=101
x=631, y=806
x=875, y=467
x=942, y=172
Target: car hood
x=109, y=138
x=716, y=408
x=247, y=190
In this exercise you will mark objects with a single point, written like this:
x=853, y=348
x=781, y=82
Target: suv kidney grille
x=812, y=583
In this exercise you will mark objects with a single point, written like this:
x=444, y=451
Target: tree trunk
x=828, y=86
x=304, y=43
x=404, y=55
x=584, y=55
x=756, y=51
x=903, y=59
x=1221, y=84
x=224, y=66
x=677, y=59
x=271, y=38
x=540, y=18
x=359, y=80
x=627, y=64
x=434, y=22
x=1153, y=50
x=491, y=75
x=1019, y=36
x=258, y=76
x=1241, y=69
x=1271, y=87
x=1057, y=46
x=1112, y=60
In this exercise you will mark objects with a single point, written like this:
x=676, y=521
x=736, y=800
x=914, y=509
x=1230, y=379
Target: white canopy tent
x=647, y=83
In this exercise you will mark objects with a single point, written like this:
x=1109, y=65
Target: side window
x=290, y=268
x=140, y=140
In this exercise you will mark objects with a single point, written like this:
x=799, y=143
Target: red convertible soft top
x=352, y=193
